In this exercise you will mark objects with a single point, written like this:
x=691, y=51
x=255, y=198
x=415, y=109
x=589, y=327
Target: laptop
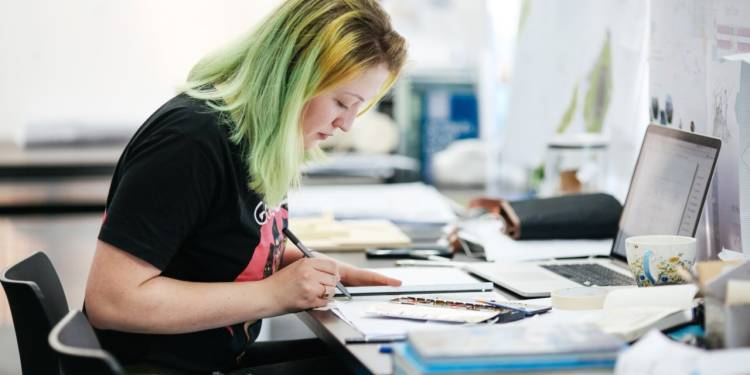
x=666, y=195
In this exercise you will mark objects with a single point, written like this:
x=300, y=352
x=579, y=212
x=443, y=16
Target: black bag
x=578, y=216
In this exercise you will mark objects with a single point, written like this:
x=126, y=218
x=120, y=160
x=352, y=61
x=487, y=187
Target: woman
x=191, y=255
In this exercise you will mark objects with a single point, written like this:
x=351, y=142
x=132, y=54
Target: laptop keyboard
x=590, y=274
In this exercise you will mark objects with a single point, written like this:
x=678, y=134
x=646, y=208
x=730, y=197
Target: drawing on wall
x=598, y=88
x=695, y=80
x=581, y=69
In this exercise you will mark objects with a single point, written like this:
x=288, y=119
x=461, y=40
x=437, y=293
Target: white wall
x=109, y=61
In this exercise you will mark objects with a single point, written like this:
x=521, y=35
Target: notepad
x=420, y=280
x=418, y=289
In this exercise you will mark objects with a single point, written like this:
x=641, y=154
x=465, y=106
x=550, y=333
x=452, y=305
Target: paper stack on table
x=357, y=311
x=499, y=247
x=326, y=234
x=400, y=203
x=657, y=354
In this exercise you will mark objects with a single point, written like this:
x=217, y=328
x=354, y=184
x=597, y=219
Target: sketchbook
x=421, y=280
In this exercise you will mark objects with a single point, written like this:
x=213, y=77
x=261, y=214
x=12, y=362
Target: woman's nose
x=344, y=122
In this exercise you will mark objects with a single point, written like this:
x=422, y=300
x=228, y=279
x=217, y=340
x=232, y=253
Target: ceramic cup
x=655, y=259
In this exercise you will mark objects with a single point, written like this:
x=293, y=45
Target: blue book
x=517, y=348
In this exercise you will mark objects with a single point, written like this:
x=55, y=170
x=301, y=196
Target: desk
x=360, y=358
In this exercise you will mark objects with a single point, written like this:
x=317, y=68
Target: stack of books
x=489, y=349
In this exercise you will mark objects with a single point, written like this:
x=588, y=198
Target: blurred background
x=507, y=98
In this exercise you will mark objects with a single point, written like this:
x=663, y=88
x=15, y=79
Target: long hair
x=263, y=80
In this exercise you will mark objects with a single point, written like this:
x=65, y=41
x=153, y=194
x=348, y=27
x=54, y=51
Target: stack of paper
x=399, y=203
x=357, y=312
x=326, y=234
x=499, y=247
x=657, y=354
x=502, y=348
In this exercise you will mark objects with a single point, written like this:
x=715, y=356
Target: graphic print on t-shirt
x=267, y=254
x=265, y=261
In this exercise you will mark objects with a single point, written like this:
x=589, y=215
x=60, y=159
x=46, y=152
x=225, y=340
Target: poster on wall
x=696, y=84
x=581, y=69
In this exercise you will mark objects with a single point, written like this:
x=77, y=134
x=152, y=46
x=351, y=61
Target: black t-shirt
x=180, y=201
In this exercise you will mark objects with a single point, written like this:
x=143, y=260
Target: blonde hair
x=263, y=80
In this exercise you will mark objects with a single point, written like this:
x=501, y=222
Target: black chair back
x=80, y=353
x=37, y=302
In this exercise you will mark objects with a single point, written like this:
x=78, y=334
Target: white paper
x=427, y=275
x=475, y=286
x=626, y=311
x=351, y=164
x=400, y=203
x=430, y=313
x=499, y=247
x=670, y=296
x=355, y=313
x=656, y=354
x=422, y=280
x=724, y=362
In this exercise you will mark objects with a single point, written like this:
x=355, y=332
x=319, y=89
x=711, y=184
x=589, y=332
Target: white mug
x=656, y=259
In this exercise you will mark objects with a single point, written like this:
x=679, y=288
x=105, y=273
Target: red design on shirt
x=267, y=255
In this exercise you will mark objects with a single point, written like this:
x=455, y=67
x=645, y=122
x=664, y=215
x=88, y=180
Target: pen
x=378, y=339
x=428, y=263
x=309, y=254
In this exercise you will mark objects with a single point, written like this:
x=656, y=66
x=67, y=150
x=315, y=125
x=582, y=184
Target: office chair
x=37, y=302
x=80, y=353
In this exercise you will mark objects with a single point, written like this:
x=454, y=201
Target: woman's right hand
x=306, y=283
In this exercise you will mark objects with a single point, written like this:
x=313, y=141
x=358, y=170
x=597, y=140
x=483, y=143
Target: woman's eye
x=340, y=104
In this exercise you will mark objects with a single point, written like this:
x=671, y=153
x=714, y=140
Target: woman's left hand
x=355, y=276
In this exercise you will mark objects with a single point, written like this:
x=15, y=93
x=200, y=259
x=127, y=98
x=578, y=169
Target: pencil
x=308, y=253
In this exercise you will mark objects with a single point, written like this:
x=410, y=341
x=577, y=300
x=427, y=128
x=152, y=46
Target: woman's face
x=336, y=108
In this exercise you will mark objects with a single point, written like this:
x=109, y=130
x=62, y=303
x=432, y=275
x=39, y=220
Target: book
x=631, y=312
x=485, y=349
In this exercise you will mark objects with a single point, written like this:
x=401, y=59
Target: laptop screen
x=669, y=185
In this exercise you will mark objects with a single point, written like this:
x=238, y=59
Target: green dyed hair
x=263, y=80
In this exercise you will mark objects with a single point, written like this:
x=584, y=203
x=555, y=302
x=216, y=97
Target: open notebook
x=631, y=312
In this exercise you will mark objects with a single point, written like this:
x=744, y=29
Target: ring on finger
x=324, y=294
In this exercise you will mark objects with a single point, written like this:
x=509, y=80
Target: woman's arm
x=128, y=294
